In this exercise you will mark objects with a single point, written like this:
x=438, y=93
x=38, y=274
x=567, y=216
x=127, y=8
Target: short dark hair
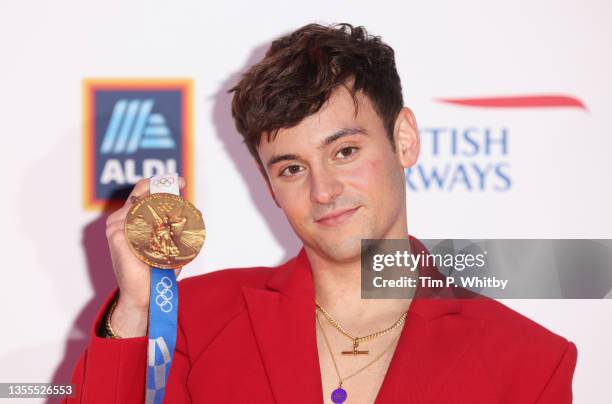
x=299, y=72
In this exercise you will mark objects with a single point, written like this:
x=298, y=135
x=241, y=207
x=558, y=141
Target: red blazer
x=248, y=336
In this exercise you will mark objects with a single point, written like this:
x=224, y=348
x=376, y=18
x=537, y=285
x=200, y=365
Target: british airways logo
x=475, y=157
x=456, y=158
x=133, y=126
x=133, y=129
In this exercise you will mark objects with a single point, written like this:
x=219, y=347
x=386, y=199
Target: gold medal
x=165, y=230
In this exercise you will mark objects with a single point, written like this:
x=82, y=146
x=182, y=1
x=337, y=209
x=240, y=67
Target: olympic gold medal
x=165, y=230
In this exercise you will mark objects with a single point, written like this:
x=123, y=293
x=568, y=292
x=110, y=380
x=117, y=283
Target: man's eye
x=290, y=170
x=347, y=151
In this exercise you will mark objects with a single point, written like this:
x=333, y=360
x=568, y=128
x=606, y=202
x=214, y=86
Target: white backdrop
x=56, y=259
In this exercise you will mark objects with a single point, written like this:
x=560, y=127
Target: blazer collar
x=283, y=321
x=284, y=324
x=294, y=279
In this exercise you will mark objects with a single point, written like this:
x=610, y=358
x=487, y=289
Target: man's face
x=337, y=178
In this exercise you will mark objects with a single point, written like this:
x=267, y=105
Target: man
x=323, y=116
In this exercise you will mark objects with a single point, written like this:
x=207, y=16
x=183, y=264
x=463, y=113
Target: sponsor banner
x=134, y=129
x=476, y=156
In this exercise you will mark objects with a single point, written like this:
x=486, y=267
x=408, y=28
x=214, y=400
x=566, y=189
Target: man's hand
x=133, y=276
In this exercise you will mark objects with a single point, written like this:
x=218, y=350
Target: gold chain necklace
x=339, y=395
x=357, y=340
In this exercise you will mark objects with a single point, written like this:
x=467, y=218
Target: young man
x=323, y=116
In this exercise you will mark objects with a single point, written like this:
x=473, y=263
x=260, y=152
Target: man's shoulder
x=500, y=319
x=223, y=287
x=228, y=279
x=512, y=343
x=213, y=303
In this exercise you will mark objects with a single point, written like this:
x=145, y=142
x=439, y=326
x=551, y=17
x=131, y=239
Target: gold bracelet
x=109, y=329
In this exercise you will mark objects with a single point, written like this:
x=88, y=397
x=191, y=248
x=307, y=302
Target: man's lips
x=337, y=217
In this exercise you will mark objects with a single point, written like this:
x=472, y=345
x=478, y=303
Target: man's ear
x=406, y=138
x=267, y=181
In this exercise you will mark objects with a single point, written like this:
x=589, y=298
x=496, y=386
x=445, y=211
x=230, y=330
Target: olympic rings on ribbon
x=164, y=296
x=164, y=181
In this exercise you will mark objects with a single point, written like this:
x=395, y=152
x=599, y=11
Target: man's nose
x=324, y=186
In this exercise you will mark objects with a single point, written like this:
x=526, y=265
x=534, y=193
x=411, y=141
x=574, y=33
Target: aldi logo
x=134, y=129
x=133, y=126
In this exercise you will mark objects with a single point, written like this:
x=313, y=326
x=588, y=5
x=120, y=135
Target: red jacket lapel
x=283, y=320
x=433, y=341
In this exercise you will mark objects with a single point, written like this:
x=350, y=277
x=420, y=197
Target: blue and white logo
x=134, y=130
x=462, y=159
x=134, y=126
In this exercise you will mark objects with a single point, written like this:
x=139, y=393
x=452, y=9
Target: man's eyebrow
x=341, y=133
x=326, y=142
x=280, y=157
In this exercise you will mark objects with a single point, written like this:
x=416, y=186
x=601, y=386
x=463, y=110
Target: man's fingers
x=140, y=187
x=140, y=190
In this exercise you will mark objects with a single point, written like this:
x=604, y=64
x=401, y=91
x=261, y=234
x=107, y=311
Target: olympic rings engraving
x=164, y=294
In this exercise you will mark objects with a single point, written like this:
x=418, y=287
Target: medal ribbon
x=163, y=312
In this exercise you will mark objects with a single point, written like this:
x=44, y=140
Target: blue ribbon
x=163, y=310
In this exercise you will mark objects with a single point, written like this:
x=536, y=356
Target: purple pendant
x=338, y=396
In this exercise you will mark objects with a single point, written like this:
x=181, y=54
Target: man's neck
x=338, y=290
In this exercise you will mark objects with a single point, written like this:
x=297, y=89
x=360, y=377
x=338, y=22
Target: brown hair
x=299, y=72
